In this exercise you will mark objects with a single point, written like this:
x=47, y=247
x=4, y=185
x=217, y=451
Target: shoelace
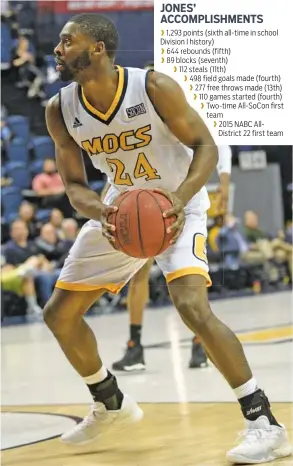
x=94, y=414
x=254, y=435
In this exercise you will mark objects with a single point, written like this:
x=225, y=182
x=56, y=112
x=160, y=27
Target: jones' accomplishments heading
x=181, y=13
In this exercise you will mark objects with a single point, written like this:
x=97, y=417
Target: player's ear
x=99, y=47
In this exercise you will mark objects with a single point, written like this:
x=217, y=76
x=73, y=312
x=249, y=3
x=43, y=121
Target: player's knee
x=50, y=315
x=56, y=318
x=194, y=310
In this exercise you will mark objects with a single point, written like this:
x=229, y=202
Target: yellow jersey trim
x=189, y=271
x=118, y=98
x=111, y=287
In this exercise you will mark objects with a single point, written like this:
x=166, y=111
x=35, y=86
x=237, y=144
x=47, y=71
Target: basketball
x=141, y=229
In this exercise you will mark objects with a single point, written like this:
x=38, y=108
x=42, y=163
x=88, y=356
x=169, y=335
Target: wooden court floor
x=170, y=435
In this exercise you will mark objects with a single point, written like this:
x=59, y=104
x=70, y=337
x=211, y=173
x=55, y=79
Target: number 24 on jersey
x=143, y=169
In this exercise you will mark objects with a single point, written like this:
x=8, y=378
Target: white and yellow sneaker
x=100, y=421
x=261, y=443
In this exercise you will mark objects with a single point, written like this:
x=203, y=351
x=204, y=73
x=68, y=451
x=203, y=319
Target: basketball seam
x=138, y=223
x=115, y=213
x=165, y=232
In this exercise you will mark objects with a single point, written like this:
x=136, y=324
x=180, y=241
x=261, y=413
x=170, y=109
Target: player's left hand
x=108, y=228
x=177, y=210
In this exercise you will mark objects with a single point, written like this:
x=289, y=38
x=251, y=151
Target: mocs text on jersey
x=111, y=143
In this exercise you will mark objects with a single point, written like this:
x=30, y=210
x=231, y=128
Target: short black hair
x=100, y=28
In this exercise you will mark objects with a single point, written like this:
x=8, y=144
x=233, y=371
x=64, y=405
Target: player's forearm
x=85, y=201
x=204, y=163
x=224, y=179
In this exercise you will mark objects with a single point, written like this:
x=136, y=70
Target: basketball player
x=138, y=292
x=139, y=130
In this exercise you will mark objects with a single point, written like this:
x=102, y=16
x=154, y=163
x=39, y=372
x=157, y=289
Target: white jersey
x=130, y=143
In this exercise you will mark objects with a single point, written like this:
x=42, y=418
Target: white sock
x=97, y=377
x=246, y=389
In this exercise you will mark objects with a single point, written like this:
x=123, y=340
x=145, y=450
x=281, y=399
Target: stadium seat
x=20, y=174
x=43, y=215
x=53, y=88
x=11, y=200
x=43, y=147
x=11, y=216
x=17, y=151
x=19, y=125
x=6, y=46
x=36, y=167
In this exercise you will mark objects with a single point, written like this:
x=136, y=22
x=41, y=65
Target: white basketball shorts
x=94, y=264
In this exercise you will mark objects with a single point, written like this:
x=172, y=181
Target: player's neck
x=100, y=90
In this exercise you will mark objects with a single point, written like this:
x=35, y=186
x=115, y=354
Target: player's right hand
x=177, y=210
x=108, y=228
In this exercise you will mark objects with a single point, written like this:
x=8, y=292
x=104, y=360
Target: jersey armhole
x=147, y=93
x=61, y=112
x=60, y=108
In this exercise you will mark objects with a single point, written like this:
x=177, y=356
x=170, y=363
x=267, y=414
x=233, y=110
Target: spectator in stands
x=231, y=243
x=19, y=280
x=252, y=231
x=282, y=249
x=56, y=219
x=6, y=133
x=26, y=213
x=19, y=249
x=263, y=248
x=55, y=251
x=69, y=234
x=47, y=242
x=29, y=74
x=49, y=182
x=69, y=229
x=50, y=189
x=260, y=243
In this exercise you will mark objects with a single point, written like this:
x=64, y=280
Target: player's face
x=73, y=53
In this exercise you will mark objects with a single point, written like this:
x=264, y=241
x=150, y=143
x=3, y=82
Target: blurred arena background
x=250, y=250
x=261, y=178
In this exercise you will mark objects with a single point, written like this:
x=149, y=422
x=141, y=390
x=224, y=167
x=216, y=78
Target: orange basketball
x=141, y=229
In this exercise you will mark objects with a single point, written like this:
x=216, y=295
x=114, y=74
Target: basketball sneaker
x=133, y=359
x=198, y=356
x=100, y=421
x=260, y=442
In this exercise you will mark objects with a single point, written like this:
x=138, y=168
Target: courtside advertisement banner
x=231, y=60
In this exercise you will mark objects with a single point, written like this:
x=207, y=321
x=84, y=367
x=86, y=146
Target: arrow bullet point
x=162, y=32
x=175, y=69
x=163, y=60
x=202, y=105
x=215, y=124
x=163, y=51
x=195, y=97
x=191, y=87
x=185, y=77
